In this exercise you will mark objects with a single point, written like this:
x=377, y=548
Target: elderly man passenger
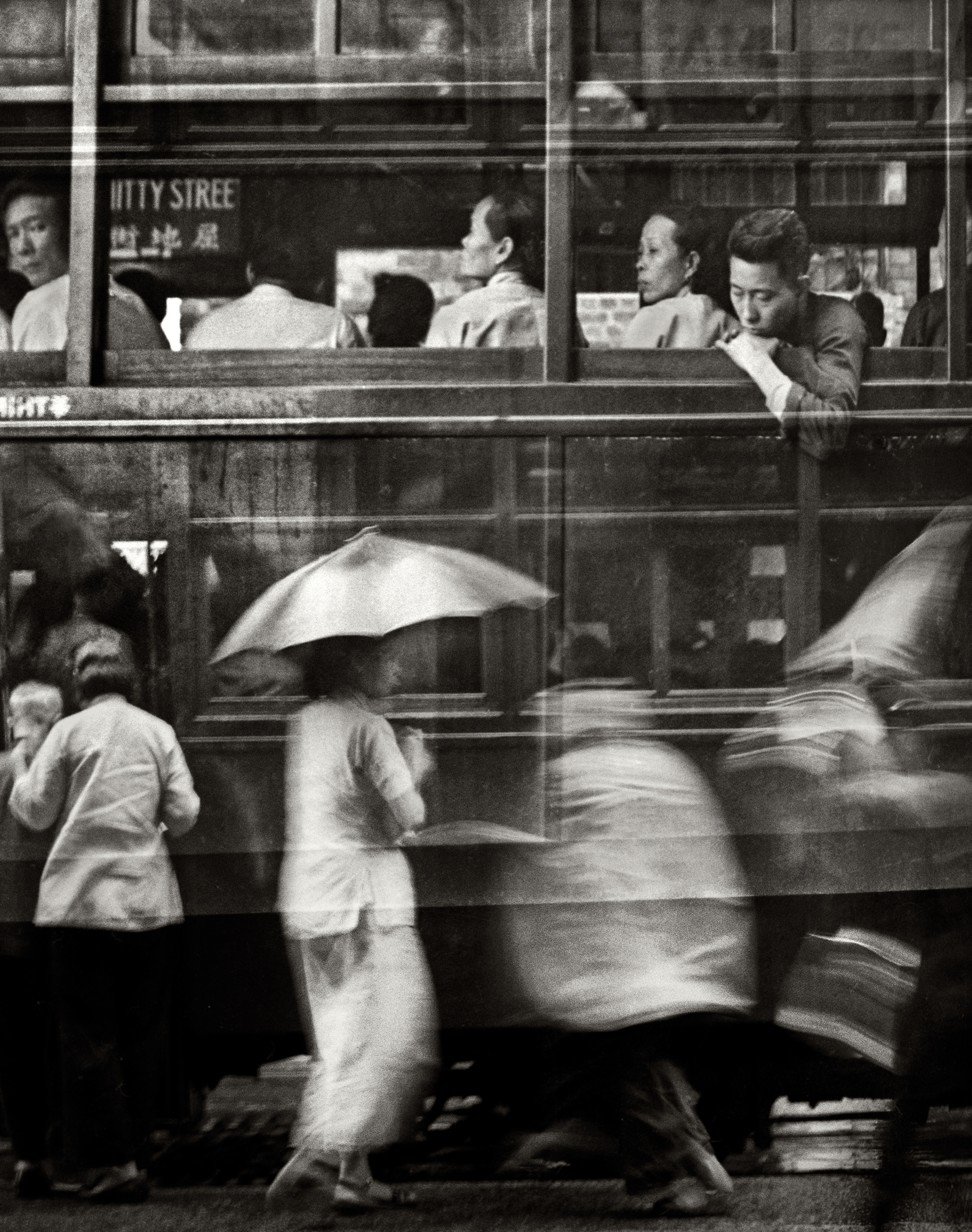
x=502, y=250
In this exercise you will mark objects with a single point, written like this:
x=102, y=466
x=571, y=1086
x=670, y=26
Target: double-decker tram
x=696, y=548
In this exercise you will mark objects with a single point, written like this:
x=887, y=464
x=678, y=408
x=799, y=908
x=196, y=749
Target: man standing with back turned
x=803, y=350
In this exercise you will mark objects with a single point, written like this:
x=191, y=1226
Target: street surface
x=835, y=1203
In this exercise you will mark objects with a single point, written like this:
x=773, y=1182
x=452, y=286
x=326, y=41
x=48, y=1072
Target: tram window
x=871, y=224
x=33, y=28
x=668, y=473
x=344, y=479
x=684, y=29
x=894, y=471
x=440, y=31
x=289, y=264
x=700, y=609
x=680, y=601
x=212, y=27
x=234, y=564
x=260, y=512
x=863, y=27
x=420, y=27
x=35, y=287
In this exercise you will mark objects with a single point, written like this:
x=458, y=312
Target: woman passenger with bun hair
x=674, y=243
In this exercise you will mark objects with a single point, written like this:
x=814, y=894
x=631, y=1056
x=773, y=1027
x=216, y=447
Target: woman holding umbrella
x=346, y=892
x=348, y=906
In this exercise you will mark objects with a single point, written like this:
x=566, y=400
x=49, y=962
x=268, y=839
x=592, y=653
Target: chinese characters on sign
x=187, y=216
x=34, y=406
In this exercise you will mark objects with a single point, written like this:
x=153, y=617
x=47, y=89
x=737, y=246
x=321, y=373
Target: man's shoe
x=116, y=1187
x=304, y=1187
x=709, y=1170
x=30, y=1180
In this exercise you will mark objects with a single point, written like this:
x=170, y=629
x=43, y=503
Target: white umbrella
x=373, y=585
x=901, y=623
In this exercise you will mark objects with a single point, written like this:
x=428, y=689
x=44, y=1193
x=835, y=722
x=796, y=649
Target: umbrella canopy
x=901, y=624
x=373, y=585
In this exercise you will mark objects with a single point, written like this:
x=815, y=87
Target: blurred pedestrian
x=111, y=781
x=400, y=311
x=633, y=934
x=25, y=1028
x=348, y=906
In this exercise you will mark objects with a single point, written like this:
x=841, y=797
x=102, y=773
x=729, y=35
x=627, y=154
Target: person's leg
x=24, y=1035
x=305, y=1185
x=98, y=1131
x=665, y=1151
x=143, y=992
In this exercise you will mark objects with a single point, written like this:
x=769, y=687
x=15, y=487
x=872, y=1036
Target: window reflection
x=684, y=29
x=211, y=27
x=33, y=28
x=420, y=27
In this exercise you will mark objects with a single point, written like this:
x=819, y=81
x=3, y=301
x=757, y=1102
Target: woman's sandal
x=355, y=1199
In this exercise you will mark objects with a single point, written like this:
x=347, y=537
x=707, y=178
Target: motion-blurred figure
x=633, y=933
x=857, y=838
x=401, y=311
x=348, y=906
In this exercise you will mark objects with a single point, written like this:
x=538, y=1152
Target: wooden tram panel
x=181, y=112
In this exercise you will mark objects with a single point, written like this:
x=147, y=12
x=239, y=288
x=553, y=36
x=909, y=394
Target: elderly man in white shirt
x=500, y=249
x=271, y=317
x=35, y=224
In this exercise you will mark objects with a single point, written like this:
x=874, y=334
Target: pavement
x=802, y=1203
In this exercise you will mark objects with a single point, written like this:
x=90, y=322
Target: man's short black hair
x=521, y=218
x=401, y=311
x=50, y=189
x=103, y=665
x=777, y=237
x=272, y=261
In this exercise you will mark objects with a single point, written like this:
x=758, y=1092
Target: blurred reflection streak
x=912, y=621
x=856, y=842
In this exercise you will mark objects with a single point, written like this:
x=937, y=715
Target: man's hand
x=419, y=760
x=743, y=348
x=754, y=355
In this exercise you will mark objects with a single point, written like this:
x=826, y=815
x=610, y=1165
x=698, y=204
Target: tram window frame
x=41, y=78
x=325, y=62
